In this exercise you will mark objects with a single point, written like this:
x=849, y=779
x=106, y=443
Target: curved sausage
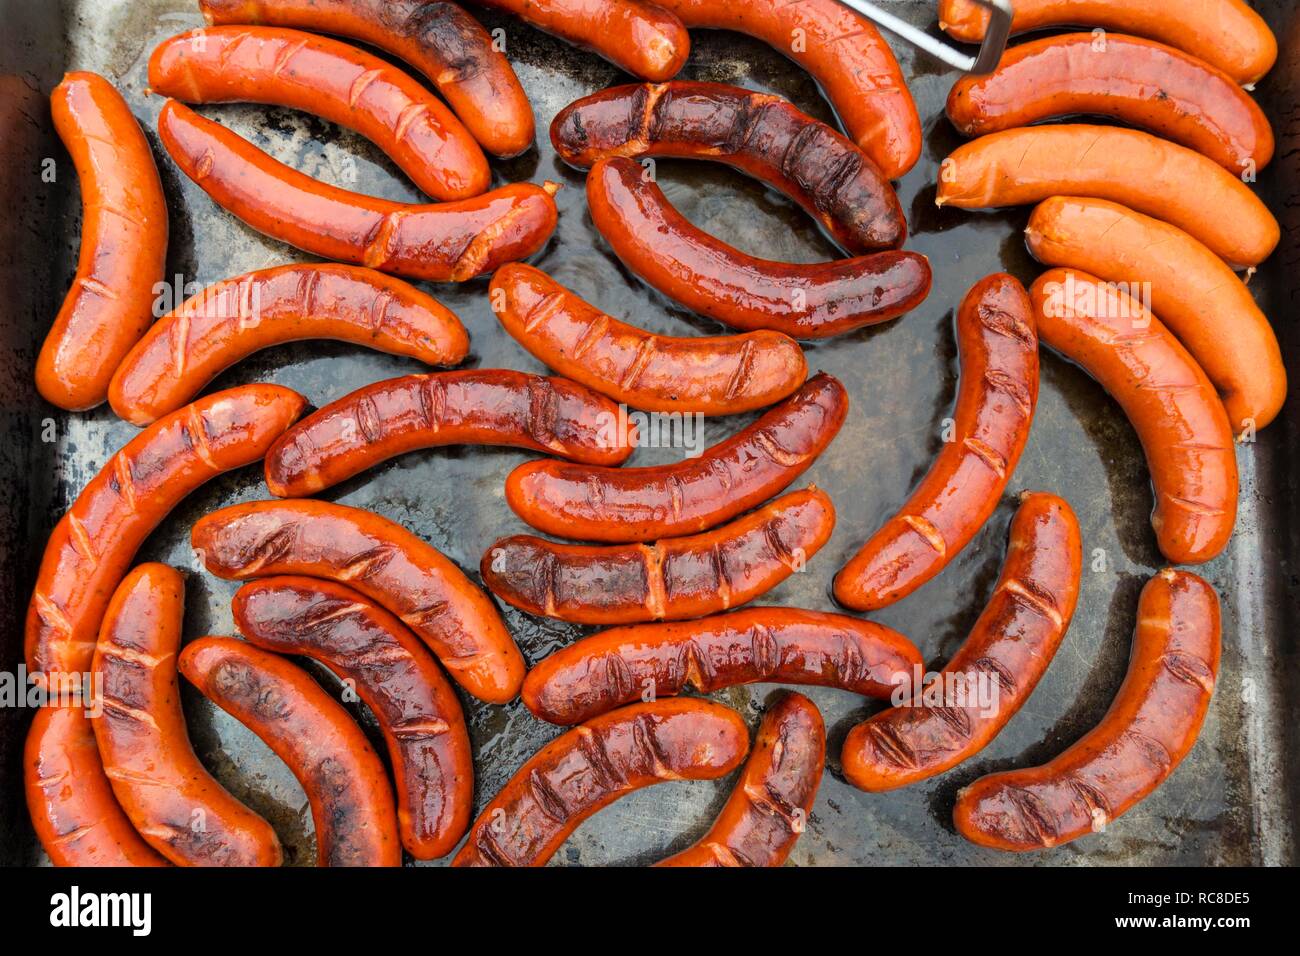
x=1227, y=34
x=1148, y=730
x=191, y=345
x=1144, y=172
x=844, y=52
x=439, y=39
x=441, y=242
x=669, y=580
x=998, y=345
x=170, y=798
x=776, y=645
x=1178, y=416
x=708, y=375
x=665, y=501
x=123, y=243
x=94, y=542
x=345, y=85
x=382, y=560
x=415, y=706
x=759, y=134
x=703, y=273
x=1198, y=297
x=470, y=407
x=996, y=668
x=593, y=765
x=771, y=801
x=350, y=796
x=76, y=817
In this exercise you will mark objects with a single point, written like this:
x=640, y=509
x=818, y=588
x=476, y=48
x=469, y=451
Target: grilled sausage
x=776, y=645
x=703, y=273
x=593, y=765
x=995, y=408
x=757, y=133
x=442, y=242
x=123, y=243
x=643, y=504
x=470, y=407
x=382, y=560
x=191, y=345
x=1148, y=730
x=670, y=580
x=709, y=375
x=993, y=672
x=1199, y=298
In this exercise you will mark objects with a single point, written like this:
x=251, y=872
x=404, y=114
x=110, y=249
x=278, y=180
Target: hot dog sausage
x=470, y=407
x=993, y=672
x=643, y=504
x=1148, y=730
x=759, y=134
x=442, y=242
x=92, y=546
x=771, y=801
x=844, y=53
x=350, y=796
x=779, y=645
x=670, y=580
x=171, y=799
x=1144, y=83
x=343, y=84
x=1199, y=298
x=998, y=346
x=703, y=273
x=188, y=347
x=399, y=681
x=382, y=560
x=1151, y=175
x=593, y=765
x=1225, y=33
x=123, y=243
x=1178, y=416
x=73, y=810
x=439, y=39
x=709, y=375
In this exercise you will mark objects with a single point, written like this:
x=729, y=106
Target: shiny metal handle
x=995, y=39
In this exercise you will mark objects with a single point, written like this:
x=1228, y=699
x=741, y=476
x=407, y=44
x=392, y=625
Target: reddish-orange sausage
x=1177, y=414
x=1225, y=33
x=442, y=242
x=93, y=544
x=345, y=85
x=670, y=580
x=995, y=670
x=759, y=134
x=191, y=345
x=470, y=407
x=399, y=681
x=703, y=273
x=777, y=645
x=998, y=346
x=709, y=375
x=844, y=53
x=1143, y=83
x=73, y=810
x=664, y=501
x=172, y=800
x=770, y=803
x=351, y=798
x=123, y=243
x=593, y=765
x=1149, y=729
x=439, y=39
x=382, y=560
